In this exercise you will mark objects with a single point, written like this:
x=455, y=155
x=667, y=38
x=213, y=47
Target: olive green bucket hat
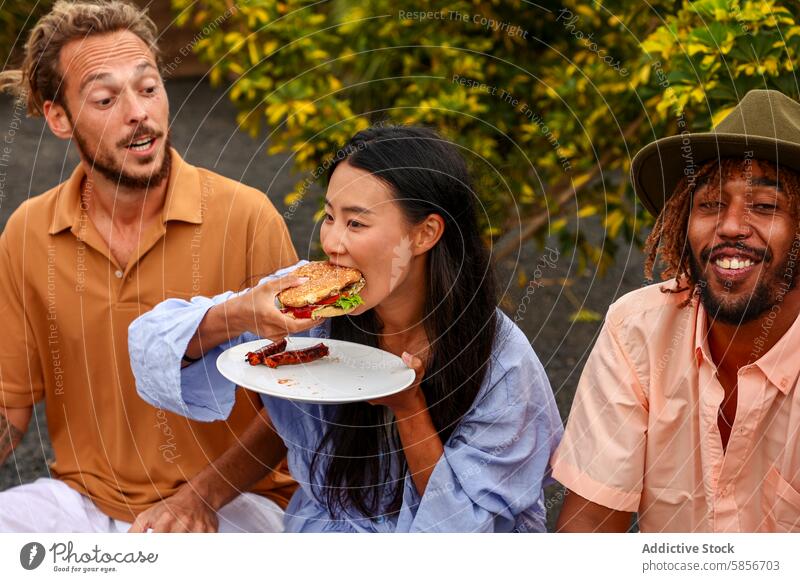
x=765, y=125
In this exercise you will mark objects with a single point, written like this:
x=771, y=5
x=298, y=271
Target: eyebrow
x=764, y=181
x=351, y=209
x=140, y=68
x=760, y=181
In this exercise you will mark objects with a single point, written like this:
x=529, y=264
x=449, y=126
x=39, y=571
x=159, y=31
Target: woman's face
x=364, y=228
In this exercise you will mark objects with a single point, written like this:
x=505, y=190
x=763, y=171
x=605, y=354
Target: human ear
x=57, y=119
x=427, y=233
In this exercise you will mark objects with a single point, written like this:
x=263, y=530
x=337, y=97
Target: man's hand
x=194, y=506
x=185, y=512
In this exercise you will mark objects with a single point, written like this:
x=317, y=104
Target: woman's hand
x=256, y=312
x=410, y=401
x=422, y=445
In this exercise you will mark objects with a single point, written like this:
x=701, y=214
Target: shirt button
x=118, y=274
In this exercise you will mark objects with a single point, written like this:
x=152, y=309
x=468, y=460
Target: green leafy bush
x=16, y=18
x=549, y=100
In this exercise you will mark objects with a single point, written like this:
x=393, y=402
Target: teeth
x=141, y=145
x=734, y=263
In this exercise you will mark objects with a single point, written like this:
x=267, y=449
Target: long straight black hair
x=359, y=454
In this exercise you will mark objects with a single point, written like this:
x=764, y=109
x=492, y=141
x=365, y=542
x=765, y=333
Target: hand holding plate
x=411, y=400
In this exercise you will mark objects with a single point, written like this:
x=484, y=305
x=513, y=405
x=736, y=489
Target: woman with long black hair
x=466, y=447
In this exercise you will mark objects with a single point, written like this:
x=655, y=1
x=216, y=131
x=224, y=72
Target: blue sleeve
x=496, y=462
x=157, y=342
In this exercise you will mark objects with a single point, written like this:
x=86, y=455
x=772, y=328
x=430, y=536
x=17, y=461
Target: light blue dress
x=489, y=479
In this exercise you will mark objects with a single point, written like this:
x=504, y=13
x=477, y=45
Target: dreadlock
x=668, y=242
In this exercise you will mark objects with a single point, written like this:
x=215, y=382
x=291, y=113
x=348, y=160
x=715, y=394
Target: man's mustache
x=758, y=254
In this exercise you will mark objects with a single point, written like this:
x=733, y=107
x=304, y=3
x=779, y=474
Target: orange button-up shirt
x=65, y=307
x=642, y=434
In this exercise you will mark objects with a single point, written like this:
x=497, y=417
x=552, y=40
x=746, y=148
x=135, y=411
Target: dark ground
x=205, y=133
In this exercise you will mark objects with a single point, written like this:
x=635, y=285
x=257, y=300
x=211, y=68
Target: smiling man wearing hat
x=688, y=411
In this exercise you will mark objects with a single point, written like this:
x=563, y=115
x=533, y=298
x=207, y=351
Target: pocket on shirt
x=783, y=502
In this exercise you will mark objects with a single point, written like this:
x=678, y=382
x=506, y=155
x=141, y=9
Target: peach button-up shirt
x=642, y=435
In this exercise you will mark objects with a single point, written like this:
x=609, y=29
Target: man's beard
x=108, y=168
x=768, y=292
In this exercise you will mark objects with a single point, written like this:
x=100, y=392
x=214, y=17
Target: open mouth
x=142, y=144
x=734, y=263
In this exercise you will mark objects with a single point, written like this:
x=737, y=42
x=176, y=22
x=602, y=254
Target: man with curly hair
x=688, y=412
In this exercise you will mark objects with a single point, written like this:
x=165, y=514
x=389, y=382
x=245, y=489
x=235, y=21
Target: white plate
x=350, y=373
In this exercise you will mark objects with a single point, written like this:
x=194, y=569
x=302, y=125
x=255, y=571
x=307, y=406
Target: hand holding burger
x=293, y=303
x=330, y=291
x=256, y=312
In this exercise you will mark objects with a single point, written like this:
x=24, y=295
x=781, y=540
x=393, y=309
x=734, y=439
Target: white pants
x=50, y=506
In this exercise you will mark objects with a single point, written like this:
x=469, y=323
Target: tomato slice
x=301, y=312
x=305, y=312
x=329, y=300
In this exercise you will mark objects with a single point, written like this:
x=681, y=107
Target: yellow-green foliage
x=571, y=89
x=16, y=18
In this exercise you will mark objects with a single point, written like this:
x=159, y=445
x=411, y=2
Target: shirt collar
x=701, y=350
x=183, y=200
x=779, y=364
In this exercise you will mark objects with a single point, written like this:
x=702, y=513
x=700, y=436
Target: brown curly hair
x=668, y=243
x=40, y=77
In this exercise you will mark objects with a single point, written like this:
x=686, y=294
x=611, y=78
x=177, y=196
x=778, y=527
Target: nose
x=333, y=240
x=734, y=221
x=135, y=110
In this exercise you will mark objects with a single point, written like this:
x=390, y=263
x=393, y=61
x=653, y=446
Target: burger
x=330, y=291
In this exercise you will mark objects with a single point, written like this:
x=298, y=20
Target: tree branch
x=564, y=195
